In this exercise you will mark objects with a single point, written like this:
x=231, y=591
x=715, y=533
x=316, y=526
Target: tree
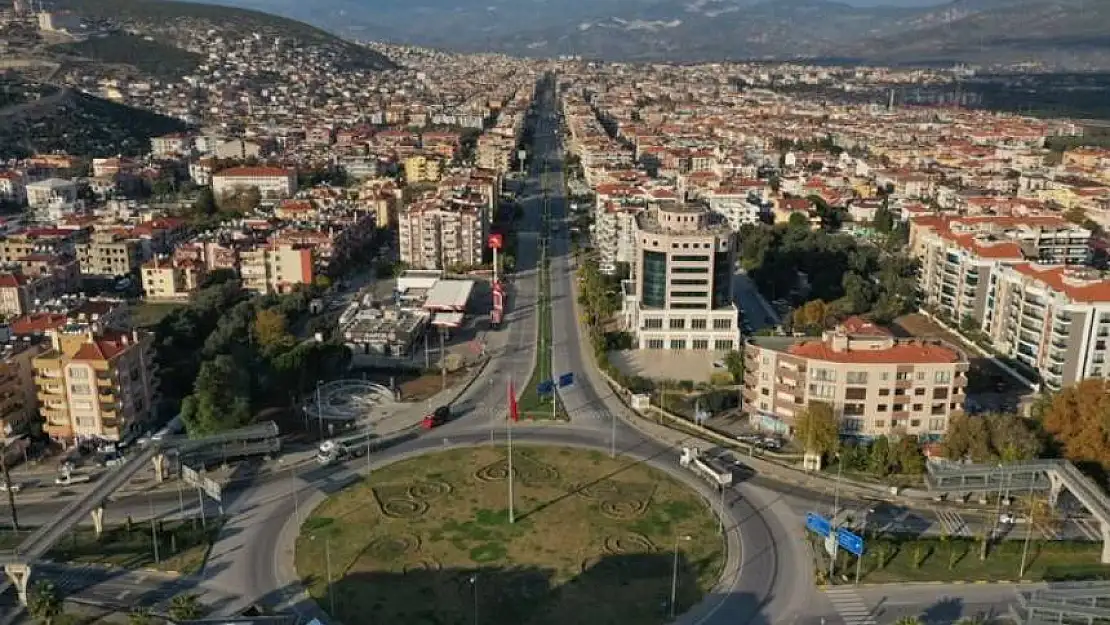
x=185, y=608
x=884, y=219
x=813, y=316
x=205, y=203
x=734, y=362
x=270, y=329
x=798, y=220
x=220, y=399
x=909, y=620
x=991, y=437
x=44, y=603
x=140, y=616
x=1079, y=420
x=817, y=429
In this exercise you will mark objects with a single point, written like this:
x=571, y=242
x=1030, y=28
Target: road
x=251, y=563
x=757, y=312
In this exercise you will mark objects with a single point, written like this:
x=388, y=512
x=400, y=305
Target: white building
x=615, y=236
x=681, y=294
x=272, y=182
x=435, y=234
x=51, y=191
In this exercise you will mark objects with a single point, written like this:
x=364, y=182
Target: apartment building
x=19, y=292
x=877, y=385
x=276, y=268
x=96, y=384
x=51, y=191
x=109, y=254
x=680, y=297
x=421, y=168
x=17, y=384
x=615, y=235
x=273, y=183
x=166, y=280
x=1053, y=319
x=12, y=187
x=958, y=255
x=437, y=235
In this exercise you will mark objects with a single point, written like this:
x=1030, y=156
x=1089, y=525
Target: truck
x=335, y=449
x=716, y=471
x=439, y=417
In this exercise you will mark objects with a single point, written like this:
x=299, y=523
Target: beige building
x=164, y=279
x=273, y=183
x=100, y=385
x=19, y=293
x=17, y=384
x=437, y=235
x=276, y=268
x=680, y=296
x=421, y=168
x=876, y=384
x=108, y=255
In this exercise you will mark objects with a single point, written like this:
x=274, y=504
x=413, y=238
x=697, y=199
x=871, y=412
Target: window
x=822, y=391
x=701, y=344
x=823, y=375
x=852, y=425
x=936, y=425
x=653, y=284
x=940, y=393
x=722, y=345
x=915, y=423
x=899, y=407
x=689, y=282
x=678, y=324
x=918, y=407
x=688, y=306
x=688, y=293
x=885, y=376
x=698, y=324
x=853, y=409
x=678, y=343
x=882, y=407
x=689, y=270
x=880, y=424
x=78, y=373
x=855, y=393
x=655, y=343
x=884, y=392
x=902, y=376
x=82, y=405
x=690, y=258
x=937, y=409
x=80, y=389
x=920, y=376
x=942, y=377
x=856, y=377
x=653, y=324
x=919, y=392
x=722, y=324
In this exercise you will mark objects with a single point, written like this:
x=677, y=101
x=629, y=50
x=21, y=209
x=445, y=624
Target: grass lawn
x=425, y=539
x=147, y=314
x=933, y=559
x=182, y=547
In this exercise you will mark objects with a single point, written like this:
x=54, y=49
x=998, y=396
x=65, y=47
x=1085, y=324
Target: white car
x=1007, y=519
x=14, y=488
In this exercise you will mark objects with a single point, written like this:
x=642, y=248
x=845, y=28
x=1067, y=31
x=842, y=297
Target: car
x=72, y=478
x=1007, y=519
x=718, y=364
x=437, y=418
x=10, y=488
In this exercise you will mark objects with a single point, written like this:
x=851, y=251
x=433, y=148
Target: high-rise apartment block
x=435, y=234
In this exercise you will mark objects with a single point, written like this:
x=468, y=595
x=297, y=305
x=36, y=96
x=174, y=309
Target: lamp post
x=474, y=584
x=674, y=573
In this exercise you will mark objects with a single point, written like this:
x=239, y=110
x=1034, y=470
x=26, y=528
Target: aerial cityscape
x=450, y=313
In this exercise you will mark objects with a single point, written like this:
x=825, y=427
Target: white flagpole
x=509, y=430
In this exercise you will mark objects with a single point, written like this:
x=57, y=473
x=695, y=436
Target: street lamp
x=836, y=488
x=674, y=572
x=327, y=564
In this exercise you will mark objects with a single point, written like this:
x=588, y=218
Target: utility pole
x=153, y=529
x=509, y=435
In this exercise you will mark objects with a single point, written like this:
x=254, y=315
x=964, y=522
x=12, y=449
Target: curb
x=978, y=582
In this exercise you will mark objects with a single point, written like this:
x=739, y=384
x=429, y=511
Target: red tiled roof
x=908, y=353
x=37, y=323
x=254, y=172
x=1078, y=289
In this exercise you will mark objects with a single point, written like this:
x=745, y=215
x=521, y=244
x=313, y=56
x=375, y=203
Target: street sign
x=190, y=476
x=566, y=379
x=852, y=543
x=546, y=387
x=830, y=544
x=495, y=241
x=818, y=524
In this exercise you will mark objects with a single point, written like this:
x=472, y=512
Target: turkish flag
x=514, y=414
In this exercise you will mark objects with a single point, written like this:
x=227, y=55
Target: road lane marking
x=849, y=606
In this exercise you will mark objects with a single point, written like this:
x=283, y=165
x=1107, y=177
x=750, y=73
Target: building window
x=690, y=270
x=689, y=282
x=940, y=393
x=915, y=423
x=937, y=409
x=653, y=284
x=677, y=324
x=936, y=425
x=722, y=345
x=918, y=407
x=678, y=343
x=856, y=377
x=884, y=392
x=942, y=377
x=822, y=375
x=653, y=324
x=687, y=258
x=655, y=343
x=855, y=393
x=701, y=344
x=919, y=392
x=688, y=306
x=920, y=376
x=881, y=408
x=852, y=425
x=880, y=424
x=698, y=324
x=822, y=391
x=80, y=389
x=688, y=293
x=78, y=373
x=902, y=376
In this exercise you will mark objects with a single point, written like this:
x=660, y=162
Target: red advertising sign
x=495, y=241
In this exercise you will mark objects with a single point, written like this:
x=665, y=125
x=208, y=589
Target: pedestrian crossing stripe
x=849, y=606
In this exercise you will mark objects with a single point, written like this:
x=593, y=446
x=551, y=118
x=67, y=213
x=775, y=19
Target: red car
x=437, y=418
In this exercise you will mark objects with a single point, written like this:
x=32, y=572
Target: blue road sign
x=566, y=379
x=852, y=543
x=818, y=524
x=546, y=387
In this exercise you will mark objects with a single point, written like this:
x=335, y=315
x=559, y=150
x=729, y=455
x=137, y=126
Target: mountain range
x=1055, y=34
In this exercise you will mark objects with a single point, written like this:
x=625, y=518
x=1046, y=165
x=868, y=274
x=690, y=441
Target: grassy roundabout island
x=427, y=541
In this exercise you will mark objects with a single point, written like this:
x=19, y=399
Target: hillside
x=150, y=57
x=1058, y=34
x=80, y=124
x=172, y=21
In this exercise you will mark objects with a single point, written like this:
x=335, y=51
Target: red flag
x=514, y=414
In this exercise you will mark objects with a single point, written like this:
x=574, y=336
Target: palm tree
x=185, y=608
x=44, y=603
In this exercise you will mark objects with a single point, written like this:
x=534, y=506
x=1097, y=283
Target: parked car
x=14, y=488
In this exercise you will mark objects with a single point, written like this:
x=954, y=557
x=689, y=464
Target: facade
x=876, y=384
x=96, y=385
x=45, y=193
x=163, y=279
x=17, y=385
x=107, y=255
x=421, y=168
x=682, y=288
x=273, y=183
x=276, y=268
x=19, y=292
x=438, y=235
x=615, y=236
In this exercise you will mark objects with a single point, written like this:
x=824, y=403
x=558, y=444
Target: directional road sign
x=546, y=387
x=852, y=543
x=566, y=379
x=818, y=524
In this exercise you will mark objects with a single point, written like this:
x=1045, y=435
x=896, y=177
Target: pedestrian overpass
x=1044, y=475
x=17, y=563
x=1063, y=603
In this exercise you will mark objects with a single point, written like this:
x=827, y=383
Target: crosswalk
x=852, y=609
x=952, y=523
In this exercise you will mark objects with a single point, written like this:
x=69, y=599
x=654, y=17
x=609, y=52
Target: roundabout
x=351, y=401
x=428, y=540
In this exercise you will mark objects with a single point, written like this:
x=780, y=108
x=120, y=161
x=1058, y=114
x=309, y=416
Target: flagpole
x=509, y=431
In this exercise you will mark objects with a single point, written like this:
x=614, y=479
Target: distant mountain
x=171, y=20
x=77, y=123
x=1065, y=34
